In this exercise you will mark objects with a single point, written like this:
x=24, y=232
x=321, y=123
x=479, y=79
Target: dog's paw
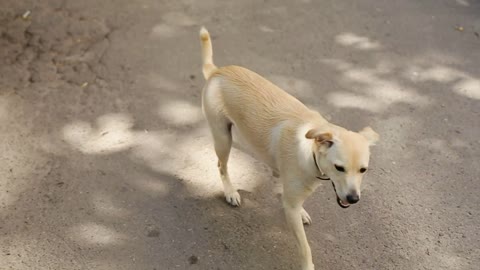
x=308, y=267
x=233, y=198
x=306, y=219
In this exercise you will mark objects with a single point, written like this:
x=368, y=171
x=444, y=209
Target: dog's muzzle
x=341, y=203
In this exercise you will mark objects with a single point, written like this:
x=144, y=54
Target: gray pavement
x=107, y=162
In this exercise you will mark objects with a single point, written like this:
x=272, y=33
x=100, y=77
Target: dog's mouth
x=341, y=203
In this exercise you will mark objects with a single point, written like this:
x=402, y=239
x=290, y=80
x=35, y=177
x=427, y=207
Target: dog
x=300, y=146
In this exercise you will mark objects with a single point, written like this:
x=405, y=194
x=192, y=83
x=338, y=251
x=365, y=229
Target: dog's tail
x=207, y=54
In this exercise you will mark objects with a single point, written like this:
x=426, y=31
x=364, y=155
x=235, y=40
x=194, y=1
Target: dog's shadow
x=212, y=229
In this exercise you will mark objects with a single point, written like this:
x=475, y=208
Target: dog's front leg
x=293, y=198
x=294, y=220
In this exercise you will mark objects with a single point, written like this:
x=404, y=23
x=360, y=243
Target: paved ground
x=107, y=162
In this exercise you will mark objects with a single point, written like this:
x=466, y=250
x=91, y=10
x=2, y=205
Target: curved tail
x=207, y=54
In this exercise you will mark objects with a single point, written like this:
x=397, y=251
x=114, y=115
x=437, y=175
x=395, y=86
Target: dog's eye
x=339, y=168
x=362, y=170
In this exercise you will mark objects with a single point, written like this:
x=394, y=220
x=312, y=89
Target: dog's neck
x=308, y=157
x=320, y=174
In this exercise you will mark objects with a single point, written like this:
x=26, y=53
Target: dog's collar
x=322, y=176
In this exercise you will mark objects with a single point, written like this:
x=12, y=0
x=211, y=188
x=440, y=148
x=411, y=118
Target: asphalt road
x=107, y=162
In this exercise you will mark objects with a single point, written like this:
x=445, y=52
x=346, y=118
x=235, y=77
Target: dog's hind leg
x=221, y=129
x=222, y=137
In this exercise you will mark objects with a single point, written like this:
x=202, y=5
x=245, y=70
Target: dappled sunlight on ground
x=92, y=233
x=357, y=42
x=451, y=260
x=378, y=88
x=108, y=162
x=179, y=19
x=172, y=23
x=388, y=84
x=469, y=88
x=159, y=82
x=348, y=100
x=461, y=82
x=439, y=148
x=369, y=89
x=197, y=165
x=180, y=161
x=299, y=88
x=266, y=29
x=163, y=31
x=110, y=134
x=105, y=205
x=188, y=155
x=180, y=112
x=464, y=3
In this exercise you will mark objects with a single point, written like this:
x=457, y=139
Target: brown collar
x=322, y=176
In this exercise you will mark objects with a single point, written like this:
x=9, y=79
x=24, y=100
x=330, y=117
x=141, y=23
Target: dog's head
x=343, y=156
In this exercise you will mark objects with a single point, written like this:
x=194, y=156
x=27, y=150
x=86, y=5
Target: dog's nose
x=353, y=198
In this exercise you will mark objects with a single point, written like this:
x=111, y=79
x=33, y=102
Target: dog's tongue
x=344, y=204
x=341, y=203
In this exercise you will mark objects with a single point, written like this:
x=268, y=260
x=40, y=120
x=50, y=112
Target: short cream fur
x=296, y=142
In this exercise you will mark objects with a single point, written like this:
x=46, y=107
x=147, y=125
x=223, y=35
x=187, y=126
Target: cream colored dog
x=298, y=144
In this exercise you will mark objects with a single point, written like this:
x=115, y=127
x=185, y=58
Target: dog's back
x=254, y=105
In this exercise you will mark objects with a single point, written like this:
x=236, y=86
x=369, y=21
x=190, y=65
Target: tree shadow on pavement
x=110, y=164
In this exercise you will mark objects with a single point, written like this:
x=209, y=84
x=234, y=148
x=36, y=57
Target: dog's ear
x=320, y=137
x=371, y=136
